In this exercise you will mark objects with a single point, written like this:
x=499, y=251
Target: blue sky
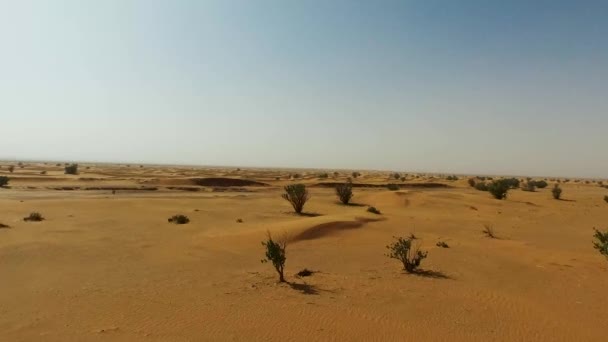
x=501, y=87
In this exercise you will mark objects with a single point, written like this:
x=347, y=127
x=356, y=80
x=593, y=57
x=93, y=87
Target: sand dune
x=105, y=266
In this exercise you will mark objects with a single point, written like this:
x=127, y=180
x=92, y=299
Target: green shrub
x=396, y=175
x=179, y=219
x=481, y=186
x=276, y=253
x=373, y=210
x=323, y=175
x=11, y=168
x=556, y=191
x=356, y=174
x=513, y=183
x=297, y=195
x=403, y=250
x=451, y=178
x=71, y=169
x=499, y=189
x=602, y=242
x=344, y=191
x=3, y=181
x=471, y=182
x=541, y=184
x=34, y=217
x=393, y=187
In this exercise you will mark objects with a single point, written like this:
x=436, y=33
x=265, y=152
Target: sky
x=473, y=87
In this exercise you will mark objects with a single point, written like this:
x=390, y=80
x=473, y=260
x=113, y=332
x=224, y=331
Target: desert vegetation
x=344, y=191
x=373, y=210
x=529, y=186
x=406, y=251
x=499, y=189
x=556, y=191
x=276, y=254
x=601, y=242
x=178, y=219
x=11, y=168
x=3, y=181
x=393, y=187
x=297, y=196
x=71, y=169
x=488, y=230
x=34, y=217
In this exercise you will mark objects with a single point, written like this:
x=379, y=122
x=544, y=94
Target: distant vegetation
x=442, y=244
x=396, y=175
x=297, y=195
x=3, y=181
x=606, y=198
x=356, y=174
x=393, y=187
x=481, y=186
x=529, y=186
x=601, y=243
x=471, y=182
x=71, y=169
x=11, y=168
x=556, y=191
x=344, y=191
x=34, y=217
x=403, y=249
x=451, y=178
x=276, y=253
x=323, y=175
x=179, y=219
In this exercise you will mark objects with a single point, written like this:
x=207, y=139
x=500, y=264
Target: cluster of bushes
x=323, y=175
x=451, y=178
x=393, y=187
x=344, y=191
x=3, y=181
x=34, y=217
x=602, y=242
x=356, y=174
x=178, y=219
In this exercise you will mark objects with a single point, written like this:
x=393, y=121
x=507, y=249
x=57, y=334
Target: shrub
x=71, y=169
x=602, y=242
x=239, y=220
x=499, y=189
x=489, y=231
x=396, y=175
x=336, y=174
x=11, y=168
x=275, y=253
x=3, y=181
x=356, y=174
x=179, y=219
x=442, y=244
x=403, y=250
x=323, y=175
x=529, y=186
x=481, y=186
x=297, y=195
x=296, y=176
x=344, y=192
x=403, y=179
x=2, y=225
x=556, y=191
x=606, y=198
x=513, y=183
x=43, y=172
x=34, y=217
x=471, y=182
x=541, y=184
x=451, y=178
x=373, y=210
x=393, y=187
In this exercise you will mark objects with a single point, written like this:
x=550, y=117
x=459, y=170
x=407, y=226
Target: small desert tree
x=297, y=195
x=275, y=253
x=556, y=191
x=602, y=242
x=529, y=186
x=471, y=182
x=11, y=168
x=404, y=250
x=499, y=189
x=3, y=181
x=344, y=192
x=71, y=169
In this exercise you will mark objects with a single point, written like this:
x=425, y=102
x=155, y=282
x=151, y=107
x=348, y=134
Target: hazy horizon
x=468, y=87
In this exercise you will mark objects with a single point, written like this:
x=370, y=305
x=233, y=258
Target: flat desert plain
x=107, y=266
